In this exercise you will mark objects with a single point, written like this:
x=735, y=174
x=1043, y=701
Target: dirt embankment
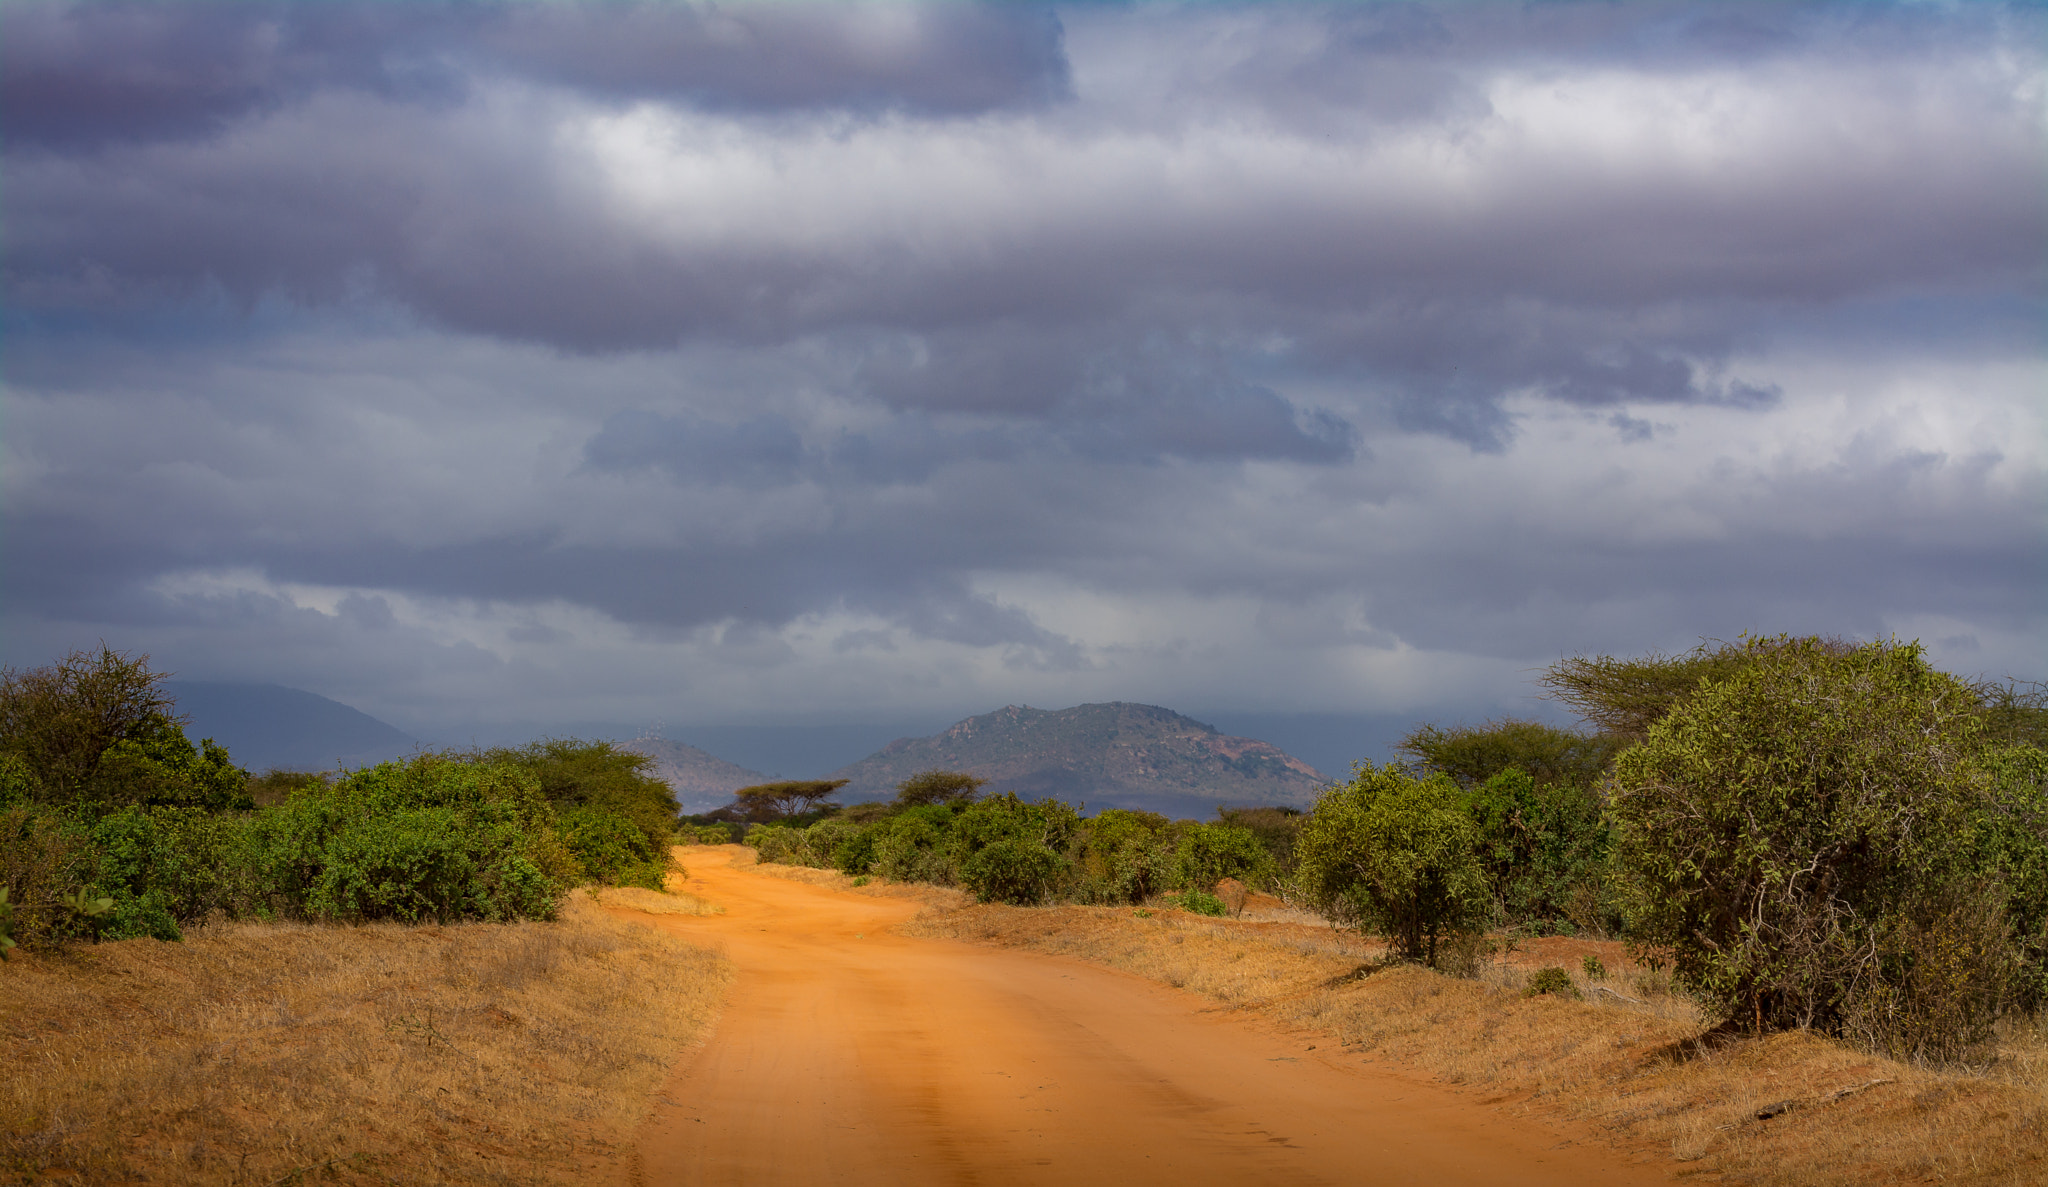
x=851, y=1054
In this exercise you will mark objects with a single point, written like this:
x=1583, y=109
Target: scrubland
x=270, y=1053
x=1643, y=1074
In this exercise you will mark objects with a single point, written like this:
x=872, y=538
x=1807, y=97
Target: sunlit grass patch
x=521, y=1053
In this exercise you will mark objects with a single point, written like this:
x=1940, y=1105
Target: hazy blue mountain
x=268, y=725
x=1329, y=742
x=1111, y=755
x=702, y=781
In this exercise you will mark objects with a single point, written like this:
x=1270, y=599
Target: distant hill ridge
x=702, y=781
x=268, y=725
x=1117, y=754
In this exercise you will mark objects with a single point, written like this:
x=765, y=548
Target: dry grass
x=652, y=902
x=1635, y=1072
x=275, y=1053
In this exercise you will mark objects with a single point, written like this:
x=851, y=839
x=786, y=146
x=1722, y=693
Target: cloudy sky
x=756, y=364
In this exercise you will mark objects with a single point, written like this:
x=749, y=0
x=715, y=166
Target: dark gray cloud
x=83, y=75
x=783, y=357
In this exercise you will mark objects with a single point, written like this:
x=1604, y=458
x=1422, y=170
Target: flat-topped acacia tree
x=789, y=797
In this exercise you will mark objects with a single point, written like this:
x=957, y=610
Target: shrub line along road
x=848, y=1054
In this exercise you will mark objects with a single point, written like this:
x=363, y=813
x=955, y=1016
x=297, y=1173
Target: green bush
x=1544, y=852
x=1276, y=829
x=429, y=838
x=915, y=846
x=1550, y=979
x=1594, y=968
x=823, y=839
x=1124, y=856
x=62, y=719
x=43, y=859
x=1013, y=851
x=1783, y=827
x=775, y=842
x=854, y=851
x=1394, y=855
x=612, y=849
x=167, y=866
x=1208, y=853
x=1196, y=902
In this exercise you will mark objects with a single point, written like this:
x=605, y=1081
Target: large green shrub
x=1544, y=850
x=1788, y=830
x=167, y=866
x=853, y=848
x=1208, y=853
x=44, y=858
x=612, y=849
x=575, y=775
x=63, y=718
x=914, y=846
x=429, y=838
x=1394, y=855
x=1125, y=856
x=1013, y=851
x=775, y=842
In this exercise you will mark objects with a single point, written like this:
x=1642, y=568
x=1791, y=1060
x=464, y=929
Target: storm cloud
x=724, y=363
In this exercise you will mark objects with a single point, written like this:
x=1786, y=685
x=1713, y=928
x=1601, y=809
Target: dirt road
x=850, y=1055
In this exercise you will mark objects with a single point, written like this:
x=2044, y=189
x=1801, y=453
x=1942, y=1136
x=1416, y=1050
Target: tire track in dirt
x=847, y=1054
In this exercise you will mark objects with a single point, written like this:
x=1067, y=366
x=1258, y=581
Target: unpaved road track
x=850, y=1055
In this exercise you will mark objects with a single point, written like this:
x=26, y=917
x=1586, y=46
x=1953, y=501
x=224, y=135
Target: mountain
x=268, y=725
x=701, y=781
x=1117, y=755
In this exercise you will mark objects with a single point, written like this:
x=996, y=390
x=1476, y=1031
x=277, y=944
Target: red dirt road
x=850, y=1055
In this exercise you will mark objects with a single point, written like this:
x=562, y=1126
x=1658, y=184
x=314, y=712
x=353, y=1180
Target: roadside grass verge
x=281, y=1053
x=1639, y=1072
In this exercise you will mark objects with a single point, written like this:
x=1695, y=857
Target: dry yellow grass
x=1629, y=1071
x=653, y=902
x=272, y=1053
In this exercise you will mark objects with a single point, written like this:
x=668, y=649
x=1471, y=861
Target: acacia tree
x=1393, y=854
x=1473, y=754
x=781, y=800
x=1786, y=829
x=937, y=787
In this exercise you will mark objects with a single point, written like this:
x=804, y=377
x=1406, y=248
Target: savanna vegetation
x=1808, y=833
x=1777, y=908
x=113, y=824
x=1000, y=848
x=388, y=979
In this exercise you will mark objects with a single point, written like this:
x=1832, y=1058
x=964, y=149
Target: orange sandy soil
x=849, y=1054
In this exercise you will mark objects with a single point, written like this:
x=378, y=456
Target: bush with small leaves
x=1395, y=855
x=1196, y=902
x=1208, y=853
x=1014, y=851
x=1552, y=980
x=1782, y=826
x=1594, y=969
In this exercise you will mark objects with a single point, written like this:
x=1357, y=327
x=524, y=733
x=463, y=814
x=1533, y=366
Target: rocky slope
x=1112, y=755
